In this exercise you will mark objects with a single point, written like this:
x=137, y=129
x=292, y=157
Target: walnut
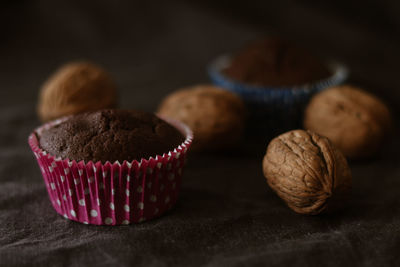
x=354, y=120
x=74, y=88
x=306, y=171
x=215, y=116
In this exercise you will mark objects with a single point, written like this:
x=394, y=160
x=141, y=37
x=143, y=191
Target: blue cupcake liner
x=277, y=107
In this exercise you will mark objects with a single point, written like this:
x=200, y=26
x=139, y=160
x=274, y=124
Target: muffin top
x=275, y=62
x=110, y=135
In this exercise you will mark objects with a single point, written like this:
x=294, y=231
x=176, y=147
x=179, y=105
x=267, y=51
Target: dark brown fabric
x=226, y=215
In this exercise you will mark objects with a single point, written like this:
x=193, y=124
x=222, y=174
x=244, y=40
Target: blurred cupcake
x=275, y=79
x=111, y=166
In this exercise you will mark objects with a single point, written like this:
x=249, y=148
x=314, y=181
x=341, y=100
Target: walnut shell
x=306, y=171
x=215, y=116
x=354, y=120
x=75, y=88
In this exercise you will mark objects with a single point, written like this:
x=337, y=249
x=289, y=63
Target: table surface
x=226, y=215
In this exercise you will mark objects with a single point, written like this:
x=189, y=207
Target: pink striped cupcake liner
x=113, y=193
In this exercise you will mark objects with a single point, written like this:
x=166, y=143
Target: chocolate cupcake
x=110, y=135
x=275, y=79
x=275, y=63
x=111, y=166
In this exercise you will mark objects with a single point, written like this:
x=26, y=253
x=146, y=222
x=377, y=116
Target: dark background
x=227, y=215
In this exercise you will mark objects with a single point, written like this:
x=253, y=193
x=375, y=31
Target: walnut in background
x=354, y=120
x=75, y=88
x=306, y=171
x=215, y=116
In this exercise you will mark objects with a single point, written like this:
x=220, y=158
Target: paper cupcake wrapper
x=113, y=193
x=278, y=95
x=281, y=106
